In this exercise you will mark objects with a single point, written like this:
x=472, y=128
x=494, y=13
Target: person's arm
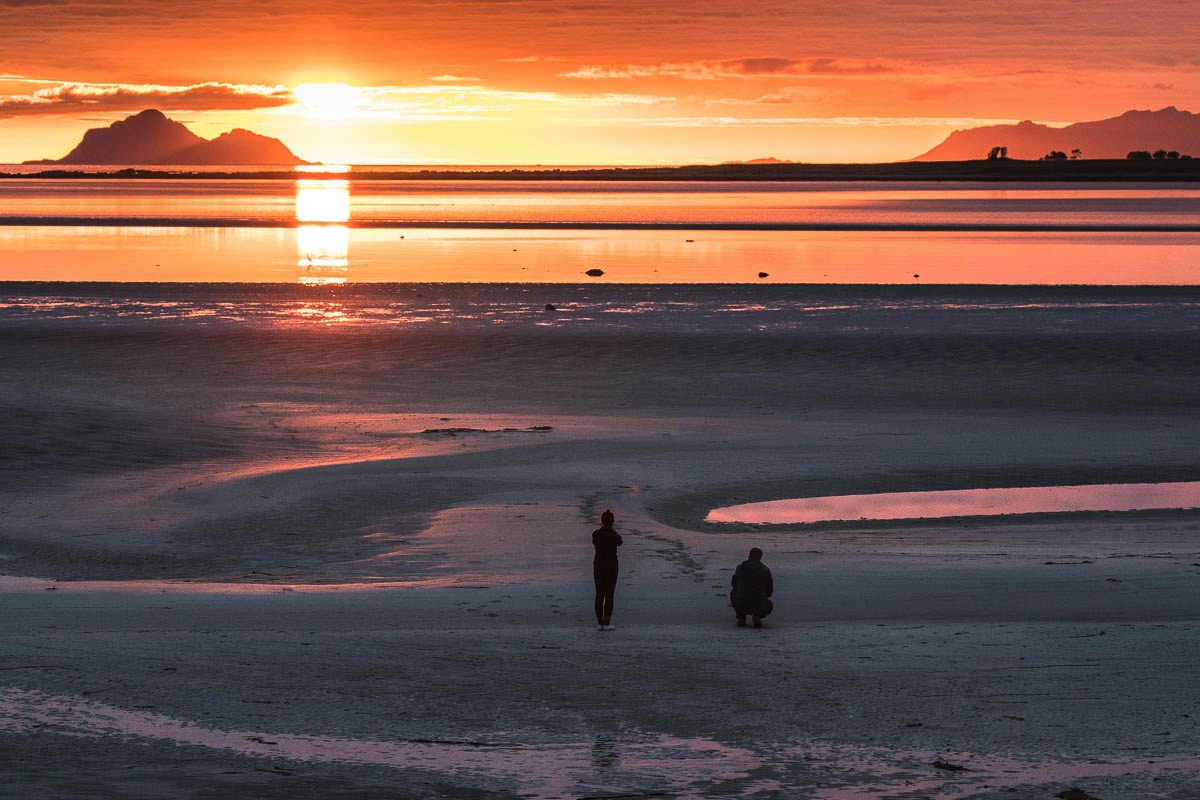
x=770, y=584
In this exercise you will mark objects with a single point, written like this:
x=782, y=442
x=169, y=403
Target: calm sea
x=319, y=235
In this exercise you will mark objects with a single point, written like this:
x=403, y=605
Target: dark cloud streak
x=787, y=66
x=73, y=98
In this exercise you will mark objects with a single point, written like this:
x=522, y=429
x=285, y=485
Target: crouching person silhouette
x=752, y=590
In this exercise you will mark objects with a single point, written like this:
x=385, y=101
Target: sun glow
x=322, y=200
x=331, y=102
x=322, y=238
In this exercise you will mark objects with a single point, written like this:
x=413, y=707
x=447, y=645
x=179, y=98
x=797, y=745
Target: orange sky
x=596, y=82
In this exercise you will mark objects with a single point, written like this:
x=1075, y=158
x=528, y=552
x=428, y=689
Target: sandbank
x=260, y=563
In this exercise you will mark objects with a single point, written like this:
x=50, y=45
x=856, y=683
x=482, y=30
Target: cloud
x=70, y=98
x=772, y=99
x=630, y=99
x=833, y=66
x=825, y=122
x=455, y=79
x=790, y=67
x=533, y=59
x=593, y=73
x=762, y=67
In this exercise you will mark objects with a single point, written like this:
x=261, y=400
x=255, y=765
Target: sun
x=328, y=101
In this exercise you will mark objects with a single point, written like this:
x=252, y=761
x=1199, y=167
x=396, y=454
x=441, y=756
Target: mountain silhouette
x=1165, y=129
x=150, y=138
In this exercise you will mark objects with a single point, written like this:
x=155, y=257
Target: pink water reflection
x=633, y=763
x=965, y=503
x=499, y=760
x=271, y=255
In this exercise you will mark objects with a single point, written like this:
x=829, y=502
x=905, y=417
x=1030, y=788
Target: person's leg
x=765, y=608
x=601, y=584
x=606, y=585
x=610, y=590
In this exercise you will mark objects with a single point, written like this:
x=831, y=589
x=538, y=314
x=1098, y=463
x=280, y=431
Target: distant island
x=1008, y=170
x=1165, y=131
x=1136, y=146
x=151, y=138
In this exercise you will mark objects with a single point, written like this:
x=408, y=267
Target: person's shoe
x=741, y=622
x=602, y=627
x=757, y=622
x=610, y=627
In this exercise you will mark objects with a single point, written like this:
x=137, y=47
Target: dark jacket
x=752, y=585
x=606, y=541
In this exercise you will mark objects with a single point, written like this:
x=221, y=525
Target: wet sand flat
x=289, y=561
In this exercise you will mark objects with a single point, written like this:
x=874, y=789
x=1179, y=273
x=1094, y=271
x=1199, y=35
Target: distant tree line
x=1059, y=155
x=997, y=153
x=1157, y=155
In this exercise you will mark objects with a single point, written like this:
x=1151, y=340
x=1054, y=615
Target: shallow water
x=965, y=503
x=408, y=203
x=319, y=231
x=336, y=254
x=631, y=762
x=942, y=311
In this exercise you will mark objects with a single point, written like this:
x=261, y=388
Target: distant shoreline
x=999, y=170
x=401, y=224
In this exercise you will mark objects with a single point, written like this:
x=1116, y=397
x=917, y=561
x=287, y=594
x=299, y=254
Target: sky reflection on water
x=336, y=230
x=631, y=202
x=271, y=255
x=632, y=763
x=964, y=503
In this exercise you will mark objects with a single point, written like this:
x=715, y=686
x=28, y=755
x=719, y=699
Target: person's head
x=607, y=518
x=755, y=554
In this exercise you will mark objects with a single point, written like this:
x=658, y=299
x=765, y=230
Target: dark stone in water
x=551, y=307
x=1076, y=794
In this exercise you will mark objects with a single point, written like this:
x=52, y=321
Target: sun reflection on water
x=323, y=237
x=322, y=312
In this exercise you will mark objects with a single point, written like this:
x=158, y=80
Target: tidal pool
x=965, y=503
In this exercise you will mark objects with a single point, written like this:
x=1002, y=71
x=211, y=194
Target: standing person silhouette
x=604, y=568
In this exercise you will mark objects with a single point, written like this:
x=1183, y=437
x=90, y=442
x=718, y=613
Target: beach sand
x=303, y=562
